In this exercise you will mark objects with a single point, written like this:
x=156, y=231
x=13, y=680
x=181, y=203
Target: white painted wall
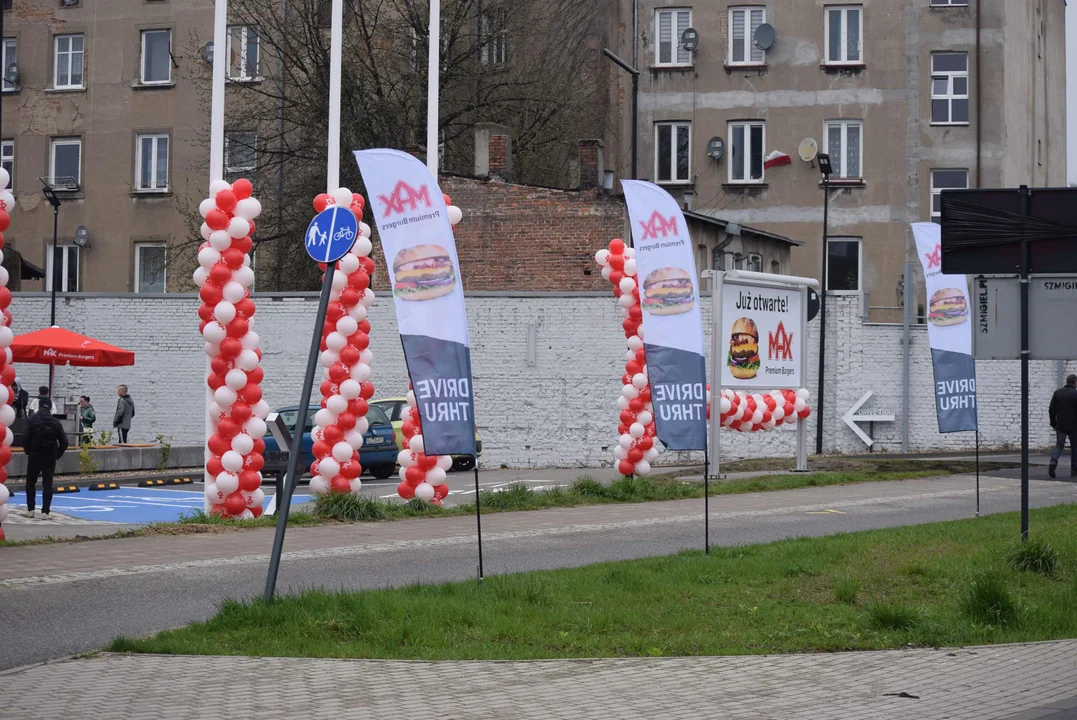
x=557, y=411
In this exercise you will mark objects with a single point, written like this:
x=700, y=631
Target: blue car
x=377, y=456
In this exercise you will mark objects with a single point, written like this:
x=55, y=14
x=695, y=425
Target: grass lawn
x=944, y=584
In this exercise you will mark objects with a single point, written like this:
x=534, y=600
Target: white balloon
x=220, y=240
x=212, y=349
x=328, y=467
x=630, y=392
x=637, y=430
x=6, y=336
x=238, y=228
x=406, y=458
x=247, y=360
x=4, y=510
x=630, y=252
x=369, y=298
x=358, y=312
x=248, y=208
x=778, y=413
x=627, y=285
x=349, y=263
x=416, y=443
x=245, y=515
x=643, y=467
x=336, y=404
x=7, y=415
x=4, y=493
x=602, y=257
x=757, y=416
x=339, y=281
x=243, y=443
x=232, y=461
x=235, y=379
x=650, y=455
x=199, y=276
x=803, y=394
x=225, y=397
x=208, y=257
x=644, y=417
x=619, y=452
x=206, y=206
x=639, y=380
x=634, y=343
x=799, y=405
x=350, y=389
x=217, y=185
x=342, y=452
x=233, y=292
x=630, y=267
x=769, y=424
x=360, y=372
x=625, y=302
x=364, y=229
x=261, y=409
x=410, y=397
x=324, y=417
x=255, y=497
x=224, y=312
x=318, y=485
x=626, y=441
x=362, y=246
x=725, y=406
x=5, y=178
x=214, y=332
x=403, y=473
x=622, y=402
x=214, y=494
x=227, y=482
x=255, y=427
x=356, y=486
x=606, y=272
x=435, y=476
x=424, y=491
x=639, y=331
x=343, y=196
x=244, y=276
x=335, y=341
x=354, y=438
x=455, y=215
x=745, y=426
x=205, y=232
x=445, y=462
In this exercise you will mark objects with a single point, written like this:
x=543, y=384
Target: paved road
x=66, y=598
x=1019, y=682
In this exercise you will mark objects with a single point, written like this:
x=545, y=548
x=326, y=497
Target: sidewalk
x=1019, y=682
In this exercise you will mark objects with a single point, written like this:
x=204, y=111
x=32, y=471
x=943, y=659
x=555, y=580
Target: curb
x=61, y=489
x=160, y=482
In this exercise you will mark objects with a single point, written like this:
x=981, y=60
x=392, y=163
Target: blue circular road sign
x=331, y=234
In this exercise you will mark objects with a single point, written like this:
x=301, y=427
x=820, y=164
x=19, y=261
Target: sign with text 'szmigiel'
x=428, y=294
x=759, y=331
x=673, y=327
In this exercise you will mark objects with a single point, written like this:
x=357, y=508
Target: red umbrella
x=56, y=346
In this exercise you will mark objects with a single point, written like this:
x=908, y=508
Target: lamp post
x=825, y=168
x=635, y=102
x=54, y=200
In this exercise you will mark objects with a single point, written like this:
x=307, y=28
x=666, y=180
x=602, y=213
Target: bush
x=587, y=486
x=846, y=590
x=988, y=602
x=514, y=497
x=887, y=616
x=346, y=506
x=1033, y=556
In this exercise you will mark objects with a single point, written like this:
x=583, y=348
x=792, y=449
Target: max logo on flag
x=404, y=194
x=658, y=224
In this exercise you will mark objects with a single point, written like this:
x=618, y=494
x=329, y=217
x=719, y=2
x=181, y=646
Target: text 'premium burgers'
x=423, y=272
x=668, y=291
x=744, y=349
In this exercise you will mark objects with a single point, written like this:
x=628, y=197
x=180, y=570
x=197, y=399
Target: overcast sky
x=1071, y=90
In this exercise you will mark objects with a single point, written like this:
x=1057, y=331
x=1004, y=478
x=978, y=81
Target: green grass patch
x=1034, y=555
x=943, y=584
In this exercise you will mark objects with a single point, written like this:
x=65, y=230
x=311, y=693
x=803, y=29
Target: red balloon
x=334, y=311
x=250, y=393
x=635, y=404
x=789, y=408
x=415, y=474
x=333, y=434
x=441, y=491
x=256, y=462
x=328, y=387
x=632, y=367
x=338, y=372
x=616, y=246
x=226, y=200
x=214, y=381
x=210, y=293
x=346, y=420
x=767, y=416
x=259, y=447
x=217, y=219
x=626, y=468
x=249, y=480
x=235, y=503
x=641, y=357
x=645, y=442
x=241, y=412
x=405, y=491
x=358, y=407
x=321, y=448
x=616, y=276
x=630, y=326
x=802, y=414
x=627, y=417
x=622, y=429
x=205, y=312
x=314, y=468
x=7, y=375
x=244, y=244
x=245, y=308
x=5, y=220
x=428, y=462
x=213, y=465
x=218, y=445
x=238, y=327
x=233, y=258
x=367, y=263
x=255, y=376
x=351, y=469
x=358, y=202
x=635, y=455
x=227, y=428
x=256, y=511
x=322, y=201
x=242, y=188
x=617, y=262
x=349, y=297
x=359, y=280
x=220, y=365
x=635, y=313
x=407, y=429
x=231, y=348
x=364, y=326
x=770, y=402
x=7, y=316
x=349, y=356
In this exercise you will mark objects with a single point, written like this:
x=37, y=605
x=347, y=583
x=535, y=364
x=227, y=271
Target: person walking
x=1063, y=416
x=44, y=442
x=87, y=416
x=22, y=399
x=125, y=410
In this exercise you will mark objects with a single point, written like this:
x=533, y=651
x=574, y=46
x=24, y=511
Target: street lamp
x=49, y=189
x=635, y=101
x=826, y=169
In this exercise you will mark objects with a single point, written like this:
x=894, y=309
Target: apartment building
x=907, y=97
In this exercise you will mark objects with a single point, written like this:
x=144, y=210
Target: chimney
x=591, y=167
x=493, y=151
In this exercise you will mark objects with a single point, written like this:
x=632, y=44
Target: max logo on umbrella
x=405, y=195
x=658, y=224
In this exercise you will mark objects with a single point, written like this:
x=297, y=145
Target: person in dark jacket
x=22, y=399
x=87, y=416
x=1063, y=416
x=44, y=442
x=125, y=410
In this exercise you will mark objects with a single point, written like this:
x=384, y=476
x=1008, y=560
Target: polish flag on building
x=775, y=159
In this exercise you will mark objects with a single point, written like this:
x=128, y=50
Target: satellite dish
x=808, y=149
x=82, y=236
x=764, y=36
x=207, y=52
x=715, y=148
x=690, y=39
x=11, y=74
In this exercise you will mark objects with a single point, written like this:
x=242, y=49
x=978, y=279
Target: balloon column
x=422, y=476
x=346, y=357
x=753, y=412
x=635, y=450
x=7, y=372
x=237, y=412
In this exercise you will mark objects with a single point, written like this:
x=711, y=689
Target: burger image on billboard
x=743, y=359
x=948, y=307
x=423, y=272
x=668, y=291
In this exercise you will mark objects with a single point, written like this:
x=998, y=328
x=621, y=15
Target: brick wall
x=554, y=408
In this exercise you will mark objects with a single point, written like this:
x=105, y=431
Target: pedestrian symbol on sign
x=331, y=234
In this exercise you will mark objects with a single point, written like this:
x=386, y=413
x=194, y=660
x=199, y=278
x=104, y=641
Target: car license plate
x=375, y=440
x=276, y=457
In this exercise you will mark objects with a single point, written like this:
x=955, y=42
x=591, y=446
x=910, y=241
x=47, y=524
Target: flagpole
x=433, y=73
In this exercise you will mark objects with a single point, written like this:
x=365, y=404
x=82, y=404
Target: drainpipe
x=979, y=95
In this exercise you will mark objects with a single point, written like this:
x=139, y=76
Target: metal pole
x=715, y=465
x=434, y=64
x=822, y=323
x=707, y=496
x=635, y=128
x=284, y=502
x=905, y=359
x=278, y=256
x=55, y=268
x=1026, y=209
x=336, y=41
x=478, y=515
x=977, y=473
x=802, y=426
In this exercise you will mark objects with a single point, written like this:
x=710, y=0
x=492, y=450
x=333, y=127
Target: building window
x=156, y=57
x=669, y=26
x=746, y=143
x=240, y=155
x=949, y=3
x=842, y=142
x=68, y=63
x=7, y=161
x=743, y=22
x=493, y=38
x=10, y=56
x=755, y=262
x=62, y=268
x=950, y=88
x=243, y=53
x=843, y=265
x=151, y=162
x=150, y=268
x=672, y=152
x=844, y=30
x=945, y=180
x=65, y=163
x=775, y=267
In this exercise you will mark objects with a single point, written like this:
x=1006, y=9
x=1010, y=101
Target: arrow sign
x=851, y=418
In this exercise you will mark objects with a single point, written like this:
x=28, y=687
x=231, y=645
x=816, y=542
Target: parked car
x=378, y=454
x=394, y=409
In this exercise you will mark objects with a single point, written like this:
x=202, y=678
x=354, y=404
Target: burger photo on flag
x=668, y=291
x=423, y=272
x=743, y=358
x=948, y=307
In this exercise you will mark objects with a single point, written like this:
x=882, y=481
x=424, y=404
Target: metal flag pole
x=707, y=495
x=433, y=73
x=478, y=515
x=977, y=472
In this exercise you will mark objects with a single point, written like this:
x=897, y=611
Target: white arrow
x=851, y=418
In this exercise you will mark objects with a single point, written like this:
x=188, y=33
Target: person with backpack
x=44, y=442
x=125, y=410
x=87, y=416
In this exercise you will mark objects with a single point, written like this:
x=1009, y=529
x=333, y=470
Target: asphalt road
x=40, y=621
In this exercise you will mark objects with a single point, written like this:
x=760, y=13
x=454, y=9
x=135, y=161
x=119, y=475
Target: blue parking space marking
x=131, y=505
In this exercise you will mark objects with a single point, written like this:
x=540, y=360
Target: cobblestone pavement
x=1037, y=680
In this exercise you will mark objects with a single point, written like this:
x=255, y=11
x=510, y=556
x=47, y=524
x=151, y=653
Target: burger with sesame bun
x=423, y=272
x=743, y=359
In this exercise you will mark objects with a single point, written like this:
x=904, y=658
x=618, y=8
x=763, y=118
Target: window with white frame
x=669, y=25
x=844, y=34
x=151, y=162
x=743, y=22
x=65, y=162
x=949, y=3
x=945, y=180
x=62, y=269
x=7, y=161
x=843, y=142
x=673, y=152
x=240, y=155
x=843, y=264
x=156, y=57
x=9, y=57
x=493, y=37
x=747, y=141
x=150, y=267
x=243, y=53
x=68, y=61
x=755, y=262
x=950, y=88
